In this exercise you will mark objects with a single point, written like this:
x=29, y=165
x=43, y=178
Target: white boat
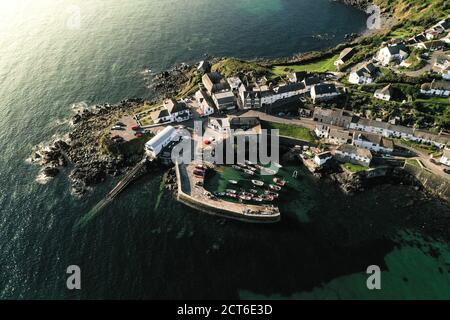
x=279, y=182
x=249, y=172
x=269, y=171
x=258, y=183
x=274, y=187
x=233, y=181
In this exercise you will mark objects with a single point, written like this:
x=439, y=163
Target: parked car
x=121, y=124
x=117, y=128
x=135, y=128
x=139, y=134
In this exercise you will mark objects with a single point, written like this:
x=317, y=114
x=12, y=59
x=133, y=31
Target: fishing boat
x=232, y=195
x=232, y=181
x=269, y=171
x=249, y=172
x=258, y=183
x=271, y=193
x=219, y=194
x=274, y=187
x=235, y=167
x=200, y=167
x=279, y=182
x=268, y=198
x=254, y=191
x=245, y=197
x=249, y=163
x=277, y=165
x=258, y=199
x=231, y=191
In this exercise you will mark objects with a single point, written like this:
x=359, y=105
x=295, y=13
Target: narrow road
x=425, y=159
x=307, y=123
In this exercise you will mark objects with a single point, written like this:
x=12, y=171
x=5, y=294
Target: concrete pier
x=196, y=197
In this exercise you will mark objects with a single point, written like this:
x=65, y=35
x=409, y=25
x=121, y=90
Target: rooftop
x=351, y=149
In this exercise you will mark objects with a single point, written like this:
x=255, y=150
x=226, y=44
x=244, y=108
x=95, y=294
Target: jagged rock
x=50, y=172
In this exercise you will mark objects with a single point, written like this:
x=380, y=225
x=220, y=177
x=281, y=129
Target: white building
x=289, y=90
x=353, y=154
x=161, y=116
x=297, y=76
x=373, y=142
x=384, y=93
x=322, y=92
x=345, y=56
x=220, y=125
x=154, y=147
x=401, y=132
x=171, y=111
x=322, y=130
x=322, y=158
x=204, y=108
x=224, y=100
x=178, y=110
x=338, y=136
x=392, y=53
x=364, y=75
x=436, y=88
x=445, y=159
x=249, y=99
x=234, y=83
x=442, y=65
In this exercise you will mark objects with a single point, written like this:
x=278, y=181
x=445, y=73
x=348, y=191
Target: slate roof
x=351, y=149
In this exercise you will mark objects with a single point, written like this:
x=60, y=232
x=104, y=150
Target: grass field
x=439, y=100
x=319, y=66
x=289, y=130
x=353, y=167
x=413, y=162
x=428, y=149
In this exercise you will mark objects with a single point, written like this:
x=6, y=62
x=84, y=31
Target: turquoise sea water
x=146, y=245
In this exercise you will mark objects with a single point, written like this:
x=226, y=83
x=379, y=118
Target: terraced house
x=373, y=142
x=353, y=154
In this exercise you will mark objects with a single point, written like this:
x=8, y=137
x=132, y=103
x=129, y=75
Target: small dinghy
x=258, y=183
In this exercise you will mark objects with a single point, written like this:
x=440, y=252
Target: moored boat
x=279, y=182
x=269, y=171
x=274, y=187
x=258, y=183
x=249, y=172
x=233, y=181
x=245, y=197
x=271, y=193
x=232, y=195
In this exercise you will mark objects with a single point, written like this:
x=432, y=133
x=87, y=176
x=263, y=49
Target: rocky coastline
x=353, y=183
x=80, y=151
